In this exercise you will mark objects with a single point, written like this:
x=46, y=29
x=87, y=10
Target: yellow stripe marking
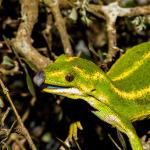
x=140, y=116
x=93, y=76
x=98, y=75
x=133, y=94
x=133, y=68
x=70, y=59
x=82, y=72
x=56, y=73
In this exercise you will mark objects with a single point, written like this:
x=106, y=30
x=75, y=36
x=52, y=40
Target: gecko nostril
x=39, y=78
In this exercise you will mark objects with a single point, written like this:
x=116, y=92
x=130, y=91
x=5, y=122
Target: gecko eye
x=69, y=77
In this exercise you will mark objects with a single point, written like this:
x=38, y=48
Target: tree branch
x=23, y=42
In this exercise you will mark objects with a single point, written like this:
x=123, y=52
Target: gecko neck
x=101, y=88
x=129, y=104
x=104, y=89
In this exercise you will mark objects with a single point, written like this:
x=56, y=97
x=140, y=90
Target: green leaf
x=8, y=147
x=31, y=65
x=7, y=61
x=46, y=137
x=73, y=15
x=29, y=83
x=84, y=18
x=1, y=102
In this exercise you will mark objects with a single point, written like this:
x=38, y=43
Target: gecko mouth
x=48, y=86
x=60, y=89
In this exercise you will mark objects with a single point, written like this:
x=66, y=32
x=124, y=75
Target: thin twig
x=4, y=116
x=1, y=3
x=118, y=147
x=60, y=24
x=26, y=133
x=48, y=35
x=63, y=144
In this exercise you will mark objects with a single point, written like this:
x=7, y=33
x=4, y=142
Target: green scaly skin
x=121, y=96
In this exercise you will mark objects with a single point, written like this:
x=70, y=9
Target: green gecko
x=120, y=96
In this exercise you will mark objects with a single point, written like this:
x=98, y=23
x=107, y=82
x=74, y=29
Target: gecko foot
x=73, y=129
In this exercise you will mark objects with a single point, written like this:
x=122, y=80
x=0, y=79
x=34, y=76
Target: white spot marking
x=74, y=91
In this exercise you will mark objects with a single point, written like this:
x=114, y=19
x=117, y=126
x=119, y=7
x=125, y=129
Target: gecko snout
x=39, y=78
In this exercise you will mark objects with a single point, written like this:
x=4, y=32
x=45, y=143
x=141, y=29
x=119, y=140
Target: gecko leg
x=108, y=115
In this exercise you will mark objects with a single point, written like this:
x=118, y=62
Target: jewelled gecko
x=120, y=96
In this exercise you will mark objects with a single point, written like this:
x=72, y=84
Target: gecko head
x=72, y=77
